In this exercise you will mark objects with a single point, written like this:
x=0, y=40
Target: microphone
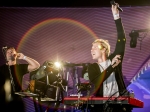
x=5, y=47
x=112, y=2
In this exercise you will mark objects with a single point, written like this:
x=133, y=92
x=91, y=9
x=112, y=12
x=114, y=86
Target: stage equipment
x=37, y=87
x=135, y=35
x=85, y=72
x=47, y=81
x=125, y=103
x=47, y=68
x=45, y=92
x=83, y=87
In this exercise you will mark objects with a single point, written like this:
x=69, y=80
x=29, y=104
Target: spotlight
x=48, y=67
x=134, y=35
x=57, y=64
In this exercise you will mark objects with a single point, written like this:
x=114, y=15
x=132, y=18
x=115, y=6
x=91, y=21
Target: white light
x=57, y=64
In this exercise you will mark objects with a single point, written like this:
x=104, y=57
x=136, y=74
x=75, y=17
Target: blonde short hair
x=105, y=44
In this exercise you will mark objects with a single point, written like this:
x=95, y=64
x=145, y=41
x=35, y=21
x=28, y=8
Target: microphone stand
x=83, y=87
x=88, y=94
x=11, y=78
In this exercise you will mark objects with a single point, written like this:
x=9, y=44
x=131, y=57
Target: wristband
x=24, y=57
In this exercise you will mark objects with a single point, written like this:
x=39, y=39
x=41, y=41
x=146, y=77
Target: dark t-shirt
x=17, y=72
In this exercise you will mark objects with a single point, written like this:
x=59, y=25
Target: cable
x=107, y=101
x=105, y=107
x=121, y=95
x=11, y=79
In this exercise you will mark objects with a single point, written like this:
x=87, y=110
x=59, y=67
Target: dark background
x=71, y=3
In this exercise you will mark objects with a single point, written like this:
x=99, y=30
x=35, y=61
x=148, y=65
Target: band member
x=106, y=73
x=11, y=77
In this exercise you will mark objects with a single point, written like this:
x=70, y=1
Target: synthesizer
x=128, y=101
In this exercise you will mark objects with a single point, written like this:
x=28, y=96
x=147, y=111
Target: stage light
x=134, y=35
x=57, y=64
